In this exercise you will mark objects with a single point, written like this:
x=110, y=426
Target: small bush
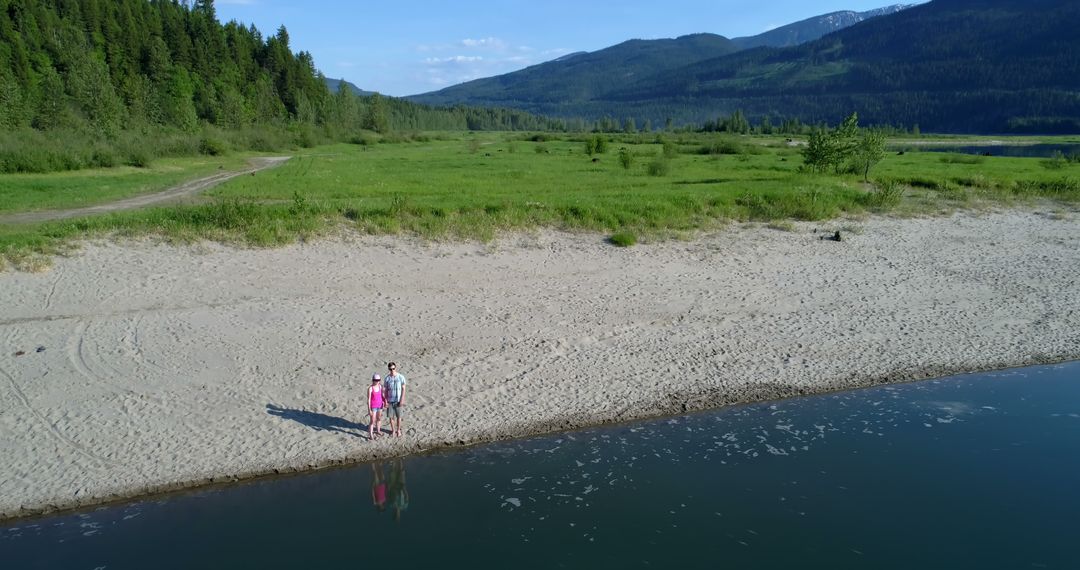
x=140, y=158
x=1057, y=161
x=212, y=146
x=626, y=158
x=658, y=167
x=928, y=183
x=1063, y=189
x=963, y=159
x=951, y=191
x=364, y=138
x=668, y=149
x=299, y=205
x=104, y=157
x=474, y=146
x=306, y=137
x=596, y=144
x=623, y=239
x=722, y=147
x=887, y=194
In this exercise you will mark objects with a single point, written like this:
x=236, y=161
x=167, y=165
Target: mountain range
x=811, y=29
x=585, y=75
x=948, y=65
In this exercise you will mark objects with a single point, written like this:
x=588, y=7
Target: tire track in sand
x=51, y=429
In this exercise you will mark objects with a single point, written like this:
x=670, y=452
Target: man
x=395, y=398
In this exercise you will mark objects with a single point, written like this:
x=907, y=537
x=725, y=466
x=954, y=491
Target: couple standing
x=386, y=394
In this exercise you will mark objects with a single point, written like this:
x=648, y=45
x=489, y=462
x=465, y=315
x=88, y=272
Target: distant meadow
x=476, y=186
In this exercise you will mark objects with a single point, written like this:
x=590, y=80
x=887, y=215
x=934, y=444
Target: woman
x=375, y=405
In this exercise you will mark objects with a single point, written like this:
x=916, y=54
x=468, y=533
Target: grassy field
x=89, y=187
x=474, y=186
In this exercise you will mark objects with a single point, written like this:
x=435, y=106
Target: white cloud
x=491, y=43
x=485, y=57
x=453, y=59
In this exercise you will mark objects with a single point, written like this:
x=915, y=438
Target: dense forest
x=103, y=82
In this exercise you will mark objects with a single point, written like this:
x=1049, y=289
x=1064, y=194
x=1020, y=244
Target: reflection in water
x=970, y=471
x=378, y=487
x=390, y=490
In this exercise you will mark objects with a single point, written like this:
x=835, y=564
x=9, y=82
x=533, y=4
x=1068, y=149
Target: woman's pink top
x=375, y=395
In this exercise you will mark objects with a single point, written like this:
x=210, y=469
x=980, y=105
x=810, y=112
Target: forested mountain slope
x=957, y=65
x=948, y=65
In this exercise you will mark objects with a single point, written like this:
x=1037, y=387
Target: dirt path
x=179, y=191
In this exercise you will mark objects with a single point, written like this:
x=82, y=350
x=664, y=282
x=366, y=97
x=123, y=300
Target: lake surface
x=972, y=471
x=1023, y=151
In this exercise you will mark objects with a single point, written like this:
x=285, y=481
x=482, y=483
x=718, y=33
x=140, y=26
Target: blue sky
x=402, y=47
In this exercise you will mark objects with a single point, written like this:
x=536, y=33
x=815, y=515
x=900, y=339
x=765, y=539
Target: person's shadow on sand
x=317, y=421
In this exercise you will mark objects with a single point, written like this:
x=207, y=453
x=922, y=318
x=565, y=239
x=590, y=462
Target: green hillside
x=949, y=65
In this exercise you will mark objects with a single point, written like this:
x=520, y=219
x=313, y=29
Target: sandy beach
x=149, y=367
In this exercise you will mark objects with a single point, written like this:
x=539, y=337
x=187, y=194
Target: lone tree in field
x=869, y=151
x=844, y=147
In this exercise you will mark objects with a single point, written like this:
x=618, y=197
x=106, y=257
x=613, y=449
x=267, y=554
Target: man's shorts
x=393, y=410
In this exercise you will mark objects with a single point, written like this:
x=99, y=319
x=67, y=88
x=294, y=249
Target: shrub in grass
x=104, y=157
x=973, y=181
x=954, y=192
x=622, y=239
x=626, y=158
x=139, y=158
x=722, y=147
x=474, y=146
x=596, y=144
x=539, y=148
x=1057, y=161
x=213, y=146
x=928, y=183
x=1063, y=189
x=887, y=194
x=668, y=149
x=365, y=138
x=658, y=167
x=962, y=159
x=299, y=205
x=305, y=136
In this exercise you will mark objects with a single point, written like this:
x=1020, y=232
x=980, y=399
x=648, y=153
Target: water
x=974, y=471
x=1023, y=151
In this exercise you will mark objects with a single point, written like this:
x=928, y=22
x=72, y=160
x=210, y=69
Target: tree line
x=114, y=80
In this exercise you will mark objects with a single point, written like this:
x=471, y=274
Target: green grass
x=623, y=239
x=89, y=187
x=447, y=186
